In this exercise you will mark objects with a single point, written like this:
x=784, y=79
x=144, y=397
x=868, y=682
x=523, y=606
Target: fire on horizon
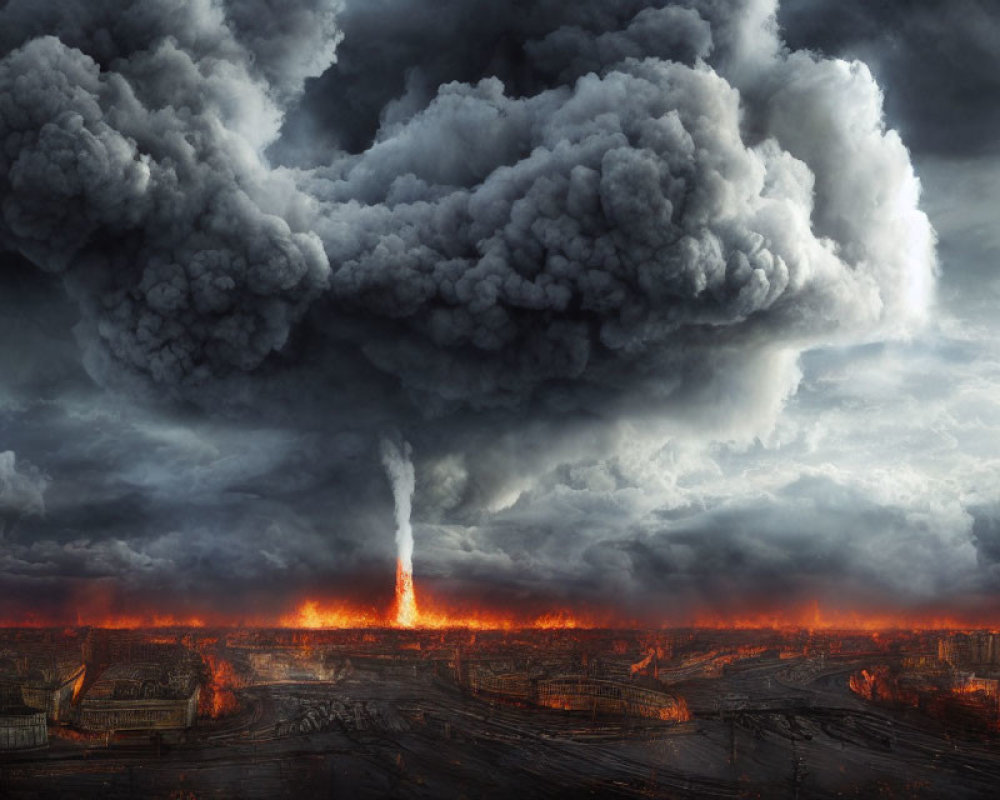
x=428, y=398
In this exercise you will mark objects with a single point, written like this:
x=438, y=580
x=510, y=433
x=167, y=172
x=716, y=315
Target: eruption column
x=398, y=466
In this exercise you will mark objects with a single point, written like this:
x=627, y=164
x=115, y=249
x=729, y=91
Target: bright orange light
x=218, y=697
x=812, y=617
x=311, y=615
x=319, y=612
x=406, y=598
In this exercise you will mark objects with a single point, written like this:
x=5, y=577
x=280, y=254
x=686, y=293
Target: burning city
x=420, y=711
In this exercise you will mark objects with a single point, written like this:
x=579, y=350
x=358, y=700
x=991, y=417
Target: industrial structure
x=44, y=676
x=141, y=697
x=627, y=697
x=21, y=727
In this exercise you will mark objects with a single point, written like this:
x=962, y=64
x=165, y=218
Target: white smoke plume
x=399, y=468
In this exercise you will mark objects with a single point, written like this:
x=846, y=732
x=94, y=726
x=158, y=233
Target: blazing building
x=141, y=697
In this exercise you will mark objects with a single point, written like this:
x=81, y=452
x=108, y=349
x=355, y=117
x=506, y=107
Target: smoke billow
x=501, y=228
x=625, y=201
x=133, y=168
x=399, y=468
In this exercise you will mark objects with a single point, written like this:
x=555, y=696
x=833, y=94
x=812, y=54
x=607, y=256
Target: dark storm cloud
x=615, y=229
x=485, y=225
x=396, y=53
x=21, y=492
x=129, y=150
x=817, y=538
x=986, y=537
x=939, y=61
x=939, y=64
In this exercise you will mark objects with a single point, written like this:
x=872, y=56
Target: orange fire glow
x=218, y=697
x=314, y=613
x=313, y=616
x=407, y=615
x=812, y=617
x=130, y=621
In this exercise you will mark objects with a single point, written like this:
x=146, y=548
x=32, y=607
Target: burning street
x=380, y=712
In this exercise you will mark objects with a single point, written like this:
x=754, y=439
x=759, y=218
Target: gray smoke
x=22, y=492
x=399, y=467
x=585, y=207
x=132, y=165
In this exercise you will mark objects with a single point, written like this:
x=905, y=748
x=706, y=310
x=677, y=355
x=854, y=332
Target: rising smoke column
x=399, y=468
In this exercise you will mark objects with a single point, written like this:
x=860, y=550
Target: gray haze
x=650, y=287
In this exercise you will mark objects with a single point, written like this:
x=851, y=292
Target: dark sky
x=680, y=305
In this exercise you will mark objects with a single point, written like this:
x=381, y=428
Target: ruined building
x=46, y=677
x=21, y=727
x=141, y=697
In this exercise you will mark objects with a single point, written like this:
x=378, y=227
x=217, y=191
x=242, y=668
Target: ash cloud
x=130, y=166
x=615, y=228
x=504, y=230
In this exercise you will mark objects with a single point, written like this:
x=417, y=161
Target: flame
x=316, y=612
x=311, y=615
x=218, y=698
x=129, y=621
x=77, y=688
x=812, y=617
x=407, y=615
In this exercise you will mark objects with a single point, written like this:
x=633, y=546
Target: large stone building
x=644, y=698
x=21, y=727
x=979, y=651
x=141, y=697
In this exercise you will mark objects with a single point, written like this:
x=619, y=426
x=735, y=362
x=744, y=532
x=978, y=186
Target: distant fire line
x=433, y=614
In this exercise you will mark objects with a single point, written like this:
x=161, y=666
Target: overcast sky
x=683, y=306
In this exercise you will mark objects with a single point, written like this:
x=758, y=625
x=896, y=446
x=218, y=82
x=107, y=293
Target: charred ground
x=401, y=713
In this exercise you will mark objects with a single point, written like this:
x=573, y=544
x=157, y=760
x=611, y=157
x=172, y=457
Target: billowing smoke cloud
x=661, y=196
x=510, y=231
x=132, y=165
x=22, y=492
x=399, y=467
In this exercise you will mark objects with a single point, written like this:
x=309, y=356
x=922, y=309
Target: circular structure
x=22, y=728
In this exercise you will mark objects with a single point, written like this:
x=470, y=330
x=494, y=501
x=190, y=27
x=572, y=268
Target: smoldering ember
x=442, y=398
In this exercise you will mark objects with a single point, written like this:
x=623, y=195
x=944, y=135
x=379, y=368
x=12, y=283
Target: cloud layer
x=640, y=224
x=572, y=252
